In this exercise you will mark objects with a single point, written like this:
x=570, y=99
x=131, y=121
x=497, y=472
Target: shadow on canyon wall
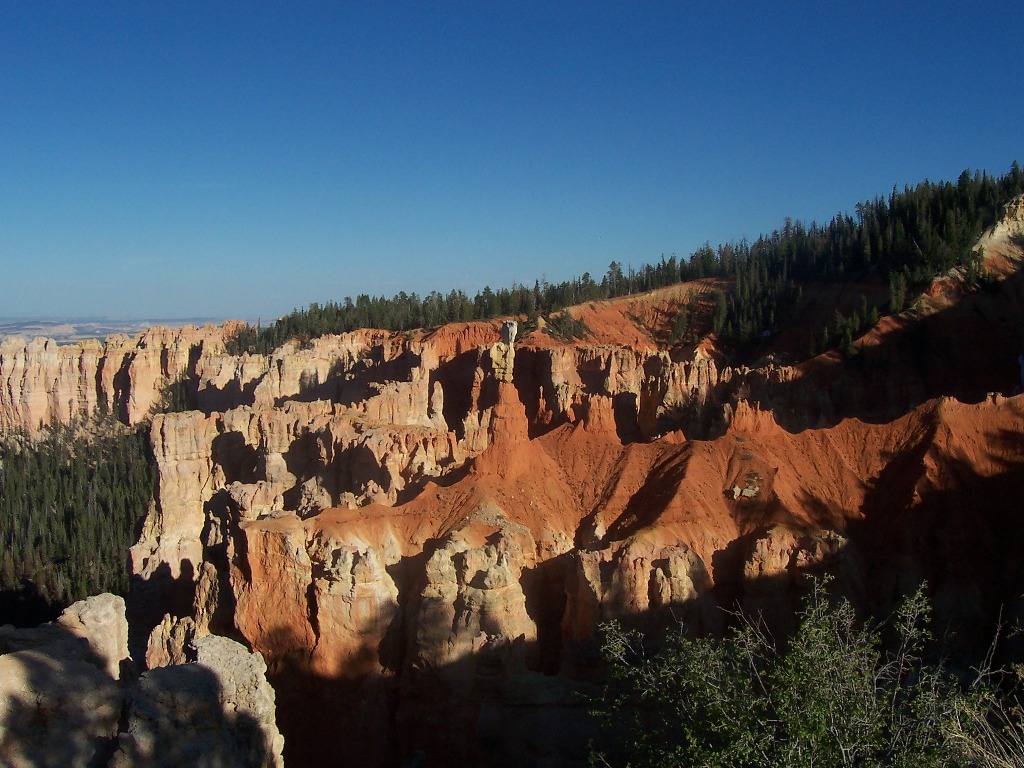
x=488, y=708
x=960, y=534
x=348, y=383
x=456, y=377
x=214, y=399
x=965, y=351
x=149, y=599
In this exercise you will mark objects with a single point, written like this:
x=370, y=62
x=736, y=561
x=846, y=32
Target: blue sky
x=177, y=159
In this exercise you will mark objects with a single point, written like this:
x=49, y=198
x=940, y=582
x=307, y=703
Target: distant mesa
x=71, y=330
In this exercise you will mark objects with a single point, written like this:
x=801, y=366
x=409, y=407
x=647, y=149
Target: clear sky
x=179, y=159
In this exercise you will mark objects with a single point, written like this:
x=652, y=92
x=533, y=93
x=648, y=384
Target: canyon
x=420, y=533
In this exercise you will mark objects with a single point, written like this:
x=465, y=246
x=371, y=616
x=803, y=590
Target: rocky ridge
x=44, y=383
x=72, y=697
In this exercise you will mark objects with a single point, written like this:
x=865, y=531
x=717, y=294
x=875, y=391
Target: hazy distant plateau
x=70, y=330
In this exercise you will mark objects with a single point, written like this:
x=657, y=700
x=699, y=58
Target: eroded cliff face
x=422, y=532
x=425, y=569
x=373, y=516
x=43, y=383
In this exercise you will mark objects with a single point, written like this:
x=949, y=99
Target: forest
x=71, y=502
x=899, y=241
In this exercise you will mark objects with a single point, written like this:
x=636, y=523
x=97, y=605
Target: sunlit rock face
x=44, y=383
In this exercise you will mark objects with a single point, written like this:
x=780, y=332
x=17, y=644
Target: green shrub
x=833, y=695
x=565, y=327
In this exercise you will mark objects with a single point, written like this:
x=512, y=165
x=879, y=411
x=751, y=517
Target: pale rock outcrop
x=300, y=457
x=160, y=355
x=217, y=710
x=564, y=380
x=228, y=381
x=648, y=388
x=472, y=599
x=509, y=331
x=208, y=602
x=183, y=444
x=473, y=644
x=60, y=702
x=1010, y=225
x=66, y=702
x=293, y=371
x=101, y=621
x=632, y=578
x=43, y=383
x=58, y=706
x=503, y=354
x=502, y=358
x=771, y=555
x=169, y=642
x=673, y=390
x=778, y=563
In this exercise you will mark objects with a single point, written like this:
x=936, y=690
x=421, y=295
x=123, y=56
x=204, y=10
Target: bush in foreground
x=834, y=695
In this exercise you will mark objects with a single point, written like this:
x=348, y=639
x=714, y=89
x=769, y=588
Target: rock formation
x=503, y=354
x=421, y=532
x=381, y=566
x=59, y=703
x=43, y=383
x=388, y=543
x=69, y=697
x=216, y=710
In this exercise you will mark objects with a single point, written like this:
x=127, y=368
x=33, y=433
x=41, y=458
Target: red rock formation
x=423, y=549
x=387, y=543
x=443, y=536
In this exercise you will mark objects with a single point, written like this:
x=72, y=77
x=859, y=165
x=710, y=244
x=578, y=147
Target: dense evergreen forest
x=70, y=505
x=901, y=241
